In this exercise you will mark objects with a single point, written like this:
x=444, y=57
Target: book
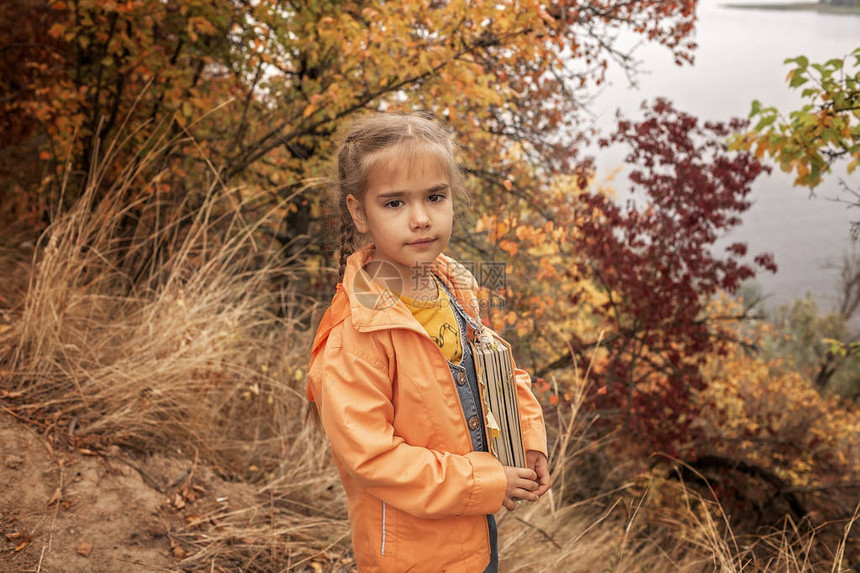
x=495, y=369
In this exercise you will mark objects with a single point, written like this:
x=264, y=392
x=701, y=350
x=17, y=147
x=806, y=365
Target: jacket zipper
x=365, y=328
x=382, y=549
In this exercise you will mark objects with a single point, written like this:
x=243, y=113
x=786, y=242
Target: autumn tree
x=256, y=90
x=655, y=259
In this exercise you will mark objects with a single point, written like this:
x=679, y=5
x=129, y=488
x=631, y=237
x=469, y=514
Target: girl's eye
x=393, y=204
x=436, y=197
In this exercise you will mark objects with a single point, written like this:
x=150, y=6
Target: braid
x=346, y=166
x=347, y=237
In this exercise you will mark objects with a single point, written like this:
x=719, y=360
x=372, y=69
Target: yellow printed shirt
x=438, y=319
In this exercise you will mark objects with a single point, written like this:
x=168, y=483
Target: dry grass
x=166, y=342
x=665, y=525
x=160, y=326
x=157, y=326
x=636, y=534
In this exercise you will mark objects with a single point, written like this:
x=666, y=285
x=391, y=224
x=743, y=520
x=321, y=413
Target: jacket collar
x=372, y=307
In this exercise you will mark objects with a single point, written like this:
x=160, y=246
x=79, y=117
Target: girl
x=391, y=371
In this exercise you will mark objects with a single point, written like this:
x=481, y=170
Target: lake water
x=739, y=59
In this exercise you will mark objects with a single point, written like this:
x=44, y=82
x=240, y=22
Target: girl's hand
x=521, y=484
x=537, y=462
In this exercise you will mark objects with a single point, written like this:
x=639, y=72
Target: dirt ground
x=79, y=510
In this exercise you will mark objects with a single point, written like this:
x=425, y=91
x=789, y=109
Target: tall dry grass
x=665, y=526
x=154, y=324
x=166, y=327
x=652, y=524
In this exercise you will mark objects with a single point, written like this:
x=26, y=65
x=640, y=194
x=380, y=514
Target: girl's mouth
x=421, y=242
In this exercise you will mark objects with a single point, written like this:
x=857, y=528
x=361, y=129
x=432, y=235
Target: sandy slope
x=99, y=512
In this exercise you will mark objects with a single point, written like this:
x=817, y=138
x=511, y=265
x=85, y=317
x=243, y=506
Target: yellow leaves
x=546, y=270
x=802, y=168
x=544, y=15
x=496, y=227
x=201, y=25
x=500, y=228
x=57, y=30
x=524, y=327
x=313, y=106
x=509, y=247
x=482, y=223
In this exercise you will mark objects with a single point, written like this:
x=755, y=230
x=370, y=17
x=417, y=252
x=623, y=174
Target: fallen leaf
x=178, y=502
x=85, y=548
x=23, y=544
x=317, y=567
x=179, y=553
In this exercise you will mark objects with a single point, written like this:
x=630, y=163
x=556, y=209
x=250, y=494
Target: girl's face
x=408, y=210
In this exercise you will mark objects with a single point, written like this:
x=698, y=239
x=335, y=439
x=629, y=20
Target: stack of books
x=495, y=369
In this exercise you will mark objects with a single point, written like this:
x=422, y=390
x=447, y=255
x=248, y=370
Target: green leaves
x=824, y=129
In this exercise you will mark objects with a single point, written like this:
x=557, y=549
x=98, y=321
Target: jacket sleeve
x=354, y=397
x=531, y=414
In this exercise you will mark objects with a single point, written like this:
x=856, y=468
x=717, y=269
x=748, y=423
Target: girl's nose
x=419, y=217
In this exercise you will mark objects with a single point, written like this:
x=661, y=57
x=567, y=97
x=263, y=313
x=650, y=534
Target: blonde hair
x=381, y=139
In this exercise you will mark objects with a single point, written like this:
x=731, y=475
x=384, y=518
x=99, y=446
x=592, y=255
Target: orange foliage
x=767, y=413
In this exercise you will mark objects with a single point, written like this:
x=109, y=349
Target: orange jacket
x=417, y=493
